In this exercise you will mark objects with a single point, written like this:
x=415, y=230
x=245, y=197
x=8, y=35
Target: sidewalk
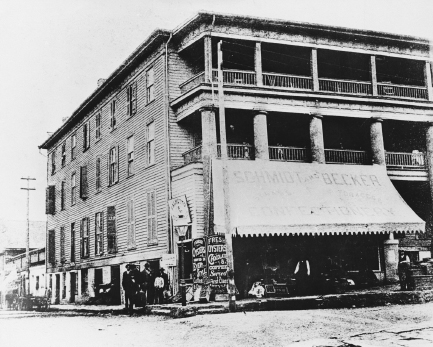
x=379, y=296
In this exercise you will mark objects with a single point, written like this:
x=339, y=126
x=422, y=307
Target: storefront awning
x=268, y=198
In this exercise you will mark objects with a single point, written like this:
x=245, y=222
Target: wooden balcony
x=405, y=161
x=394, y=160
x=192, y=156
x=238, y=151
x=344, y=156
x=287, y=81
x=293, y=82
x=287, y=153
x=234, y=151
x=345, y=86
x=400, y=91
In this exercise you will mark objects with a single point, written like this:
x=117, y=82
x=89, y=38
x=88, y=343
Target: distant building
x=329, y=139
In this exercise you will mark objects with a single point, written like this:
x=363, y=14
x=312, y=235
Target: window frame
x=53, y=162
x=64, y=154
x=63, y=195
x=150, y=143
x=113, y=110
x=73, y=145
x=130, y=149
x=113, y=165
x=131, y=99
x=72, y=255
x=73, y=188
x=150, y=85
x=86, y=136
x=85, y=244
x=130, y=225
x=99, y=233
x=151, y=218
x=98, y=132
x=62, y=244
x=98, y=181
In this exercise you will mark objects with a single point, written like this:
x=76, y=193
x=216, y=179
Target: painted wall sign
x=179, y=211
x=217, y=263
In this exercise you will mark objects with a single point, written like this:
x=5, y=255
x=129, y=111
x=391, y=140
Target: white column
x=373, y=75
x=376, y=140
x=261, y=136
x=258, y=64
x=316, y=140
x=314, y=70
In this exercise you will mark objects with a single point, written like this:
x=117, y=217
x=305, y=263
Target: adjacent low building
x=329, y=144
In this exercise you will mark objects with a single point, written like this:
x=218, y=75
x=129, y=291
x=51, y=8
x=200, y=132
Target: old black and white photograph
x=216, y=173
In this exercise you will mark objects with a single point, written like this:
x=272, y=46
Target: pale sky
x=52, y=53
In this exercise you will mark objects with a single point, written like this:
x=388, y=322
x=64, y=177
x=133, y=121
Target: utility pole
x=28, y=179
x=226, y=193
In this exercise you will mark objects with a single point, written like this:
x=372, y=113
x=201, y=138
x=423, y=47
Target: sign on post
x=179, y=211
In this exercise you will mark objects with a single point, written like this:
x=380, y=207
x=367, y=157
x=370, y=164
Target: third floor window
x=113, y=175
x=151, y=143
x=98, y=126
x=86, y=136
x=150, y=85
x=113, y=106
x=73, y=145
x=63, y=154
x=131, y=99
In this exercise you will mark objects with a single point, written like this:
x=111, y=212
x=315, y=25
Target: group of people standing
x=145, y=287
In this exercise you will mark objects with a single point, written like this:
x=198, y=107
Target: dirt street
x=408, y=325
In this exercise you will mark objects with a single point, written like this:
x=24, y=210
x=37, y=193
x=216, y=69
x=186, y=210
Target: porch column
x=316, y=139
x=377, y=145
x=373, y=75
x=209, y=152
x=261, y=135
x=390, y=249
x=207, y=59
x=429, y=157
x=314, y=70
x=428, y=80
x=258, y=64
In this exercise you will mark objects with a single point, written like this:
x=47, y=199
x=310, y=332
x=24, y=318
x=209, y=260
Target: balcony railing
x=346, y=156
x=400, y=91
x=238, y=151
x=287, y=81
x=415, y=160
x=193, y=82
x=192, y=156
x=287, y=153
x=248, y=78
x=342, y=86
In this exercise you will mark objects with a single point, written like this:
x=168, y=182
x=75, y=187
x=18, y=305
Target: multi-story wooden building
x=326, y=128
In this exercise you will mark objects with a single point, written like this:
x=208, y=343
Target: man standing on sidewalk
x=130, y=284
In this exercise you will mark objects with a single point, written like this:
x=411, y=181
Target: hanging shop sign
x=179, y=211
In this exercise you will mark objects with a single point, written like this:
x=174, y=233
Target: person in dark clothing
x=302, y=275
x=150, y=279
x=130, y=284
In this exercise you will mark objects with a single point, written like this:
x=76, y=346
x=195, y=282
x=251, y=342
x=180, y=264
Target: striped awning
x=282, y=198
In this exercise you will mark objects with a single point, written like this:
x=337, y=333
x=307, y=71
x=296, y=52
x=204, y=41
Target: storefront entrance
x=274, y=258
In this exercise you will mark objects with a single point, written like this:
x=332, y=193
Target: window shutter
x=134, y=98
x=111, y=229
x=132, y=218
x=117, y=163
x=84, y=187
x=52, y=247
x=50, y=206
x=87, y=237
x=84, y=136
x=82, y=238
x=96, y=230
x=128, y=221
x=102, y=232
x=128, y=100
